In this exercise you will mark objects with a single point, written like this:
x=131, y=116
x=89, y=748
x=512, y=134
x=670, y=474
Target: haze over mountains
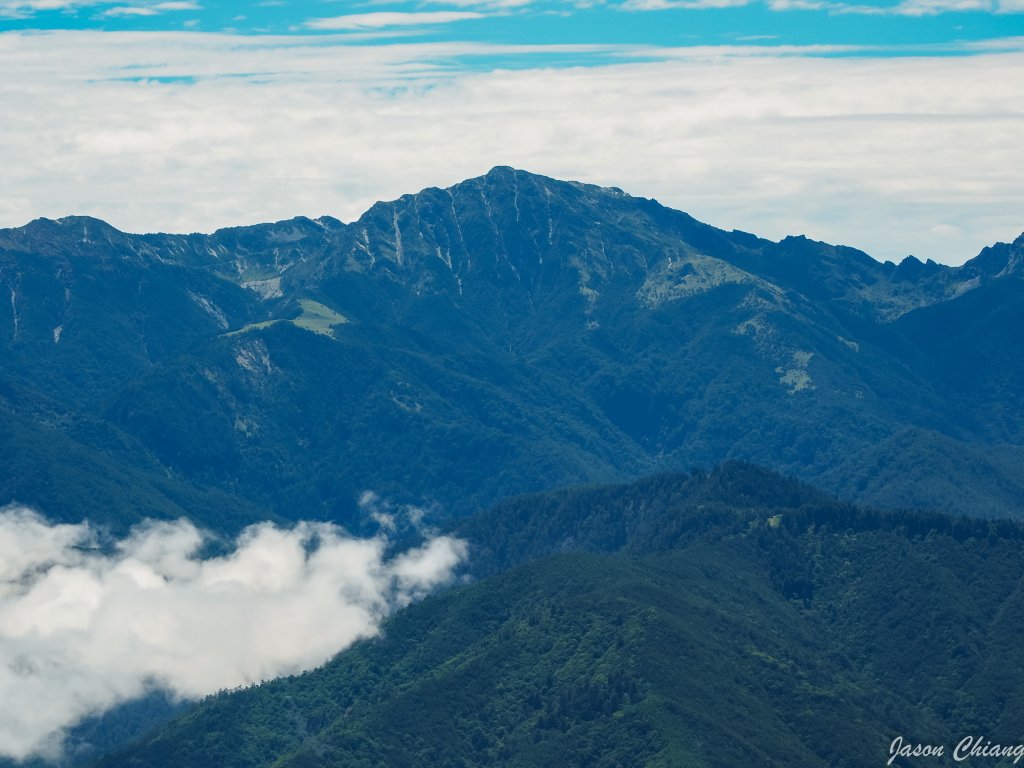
x=511, y=333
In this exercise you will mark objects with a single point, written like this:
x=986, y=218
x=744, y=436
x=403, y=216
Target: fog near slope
x=83, y=628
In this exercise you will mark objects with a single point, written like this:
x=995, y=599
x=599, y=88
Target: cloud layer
x=83, y=629
x=385, y=19
x=185, y=132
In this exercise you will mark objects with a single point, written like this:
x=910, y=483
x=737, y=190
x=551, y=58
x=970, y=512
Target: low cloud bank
x=83, y=629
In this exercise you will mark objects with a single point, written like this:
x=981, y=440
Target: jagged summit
x=510, y=233
x=997, y=260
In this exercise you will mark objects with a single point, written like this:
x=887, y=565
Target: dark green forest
x=711, y=619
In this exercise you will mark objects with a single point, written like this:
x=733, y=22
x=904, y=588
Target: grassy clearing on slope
x=315, y=317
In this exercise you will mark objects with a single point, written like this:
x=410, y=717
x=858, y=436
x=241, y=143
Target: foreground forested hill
x=711, y=619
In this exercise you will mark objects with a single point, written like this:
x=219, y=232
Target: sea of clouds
x=87, y=624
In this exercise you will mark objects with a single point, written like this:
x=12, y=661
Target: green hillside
x=753, y=621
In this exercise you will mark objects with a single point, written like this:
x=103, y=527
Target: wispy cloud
x=150, y=10
x=912, y=8
x=722, y=52
x=663, y=5
x=388, y=19
x=27, y=8
x=22, y=8
x=1002, y=44
x=478, y=4
x=915, y=7
x=83, y=629
x=131, y=10
x=797, y=5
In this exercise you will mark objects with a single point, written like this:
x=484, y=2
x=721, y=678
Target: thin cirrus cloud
x=913, y=8
x=23, y=8
x=27, y=8
x=150, y=10
x=695, y=5
x=925, y=7
x=910, y=8
x=389, y=19
x=480, y=4
x=918, y=7
x=83, y=629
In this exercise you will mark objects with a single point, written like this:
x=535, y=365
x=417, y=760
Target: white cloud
x=720, y=53
x=914, y=7
x=935, y=7
x=150, y=10
x=83, y=629
x=868, y=152
x=797, y=5
x=481, y=4
x=131, y=10
x=695, y=5
x=996, y=45
x=22, y=8
x=387, y=19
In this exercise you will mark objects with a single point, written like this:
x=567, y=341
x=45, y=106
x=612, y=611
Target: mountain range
x=725, y=500
x=512, y=333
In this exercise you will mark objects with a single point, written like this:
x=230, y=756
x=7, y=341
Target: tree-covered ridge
x=719, y=618
x=665, y=512
x=529, y=333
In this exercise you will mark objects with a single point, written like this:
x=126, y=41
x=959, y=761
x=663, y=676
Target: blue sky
x=893, y=127
x=888, y=28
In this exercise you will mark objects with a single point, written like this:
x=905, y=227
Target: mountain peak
x=68, y=223
x=998, y=260
x=912, y=269
x=527, y=235
x=76, y=220
x=504, y=170
x=69, y=233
